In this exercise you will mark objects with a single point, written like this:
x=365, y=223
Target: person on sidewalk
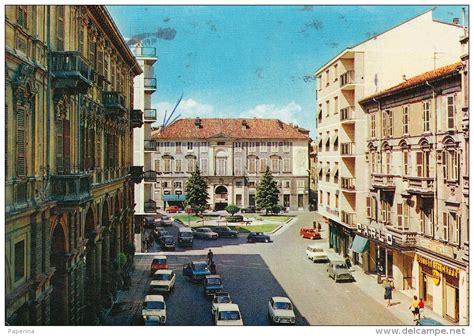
x=314, y=225
x=421, y=308
x=210, y=256
x=348, y=262
x=213, y=268
x=388, y=286
x=414, y=307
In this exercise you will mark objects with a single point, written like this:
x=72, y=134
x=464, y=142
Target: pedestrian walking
x=388, y=286
x=421, y=308
x=210, y=256
x=319, y=226
x=348, y=262
x=414, y=307
x=213, y=268
x=314, y=225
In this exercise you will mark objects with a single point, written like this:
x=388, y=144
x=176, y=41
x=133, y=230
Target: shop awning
x=173, y=198
x=360, y=244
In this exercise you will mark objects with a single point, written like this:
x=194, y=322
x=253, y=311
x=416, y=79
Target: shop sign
x=436, y=266
x=437, y=247
x=436, y=277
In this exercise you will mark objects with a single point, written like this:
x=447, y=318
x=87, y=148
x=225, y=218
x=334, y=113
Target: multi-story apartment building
x=232, y=154
x=382, y=61
x=417, y=201
x=313, y=176
x=143, y=146
x=67, y=191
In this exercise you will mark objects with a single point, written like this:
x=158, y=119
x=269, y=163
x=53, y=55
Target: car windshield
x=318, y=250
x=214, y=281
x=222, y=299
x=259, y=233
x=186, y=234
x=200, y=266
x=205, y=230
x=341, y=266
x=282, y=305
x=169, y=240
x=160, y=261
x=229, y=315
x=225, y=228
x=165, y=277
x=154, y=305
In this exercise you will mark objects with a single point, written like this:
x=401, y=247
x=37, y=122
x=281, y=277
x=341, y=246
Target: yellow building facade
x=68, y=195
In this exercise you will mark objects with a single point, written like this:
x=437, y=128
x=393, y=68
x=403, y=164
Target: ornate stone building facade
x=69, y=199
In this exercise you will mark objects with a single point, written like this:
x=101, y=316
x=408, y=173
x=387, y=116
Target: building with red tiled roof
x=232, y=154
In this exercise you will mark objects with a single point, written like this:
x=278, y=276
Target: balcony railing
x=71, y=188
x=332, y=211
x=348, y=218
x=347, y=149
x=71, y=71
x=402, y=237
x=113, y=102
x=150, y=206
x=347, y=78
x=348, y=183
x=150, y=145
x=150, y=83
x=150, y=176
x=347, y=113
x=136, y=118
x=150, y=115
x=383, y=181
x=136, y=174
x=421, y=185
x=144, y=51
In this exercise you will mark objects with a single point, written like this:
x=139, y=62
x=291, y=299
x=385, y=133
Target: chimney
x=456, y=21
x=197, y=123
x=244, y=124
x=404, y=77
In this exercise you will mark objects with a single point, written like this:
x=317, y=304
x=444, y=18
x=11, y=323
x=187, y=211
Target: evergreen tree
x=267, y=192
x=196, y=192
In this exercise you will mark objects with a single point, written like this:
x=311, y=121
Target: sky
x=252, y=61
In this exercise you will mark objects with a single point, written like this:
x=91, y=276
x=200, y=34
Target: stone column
x=106, y=264
x=98, y=266
x=90, y=286
x=60, y=298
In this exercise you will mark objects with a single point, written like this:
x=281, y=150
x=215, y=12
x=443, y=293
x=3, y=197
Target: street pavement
x=252, y=274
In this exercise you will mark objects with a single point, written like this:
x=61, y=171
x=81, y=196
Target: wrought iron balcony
x=150, y=176
x=150, y=145
x=136, y=173
x=423, y=186
x=144, y=52
x=347, y=114
x=136, y=119
x=150, y=84
x=348, y=184
x=150, y=206
x=150, y=115
x=346, y=80
x=71, y=71
x=383, y=181
x=71, y=188
x=114, y=102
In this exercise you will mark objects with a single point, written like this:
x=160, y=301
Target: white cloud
x=188, y=108
x=287, y=113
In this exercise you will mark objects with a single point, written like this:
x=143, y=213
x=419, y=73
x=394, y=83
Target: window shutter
x=456, y=166
x=59, y=146
x=445, y=226
x=369, y=207
x=67, y=146
x=20, y=143
x=419, y=164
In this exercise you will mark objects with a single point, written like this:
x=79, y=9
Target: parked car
x=154, y=310
x=158, y=263
x=309, y=233
x=280, y=310
x=228, y=314
x=212, y=284
x=338, y=270
x=225, y=231
x=196, y=270
x=249, y=209
x=167, y=242
x=161, y=231
x=255, y=237
x=316, y=253
x=185, y=236
x=150, y=222
x=173, y=209
x=219, y=298
x=163, y=281
x=205, y=233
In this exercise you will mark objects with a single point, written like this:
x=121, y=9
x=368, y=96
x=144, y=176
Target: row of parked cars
x=337, y=269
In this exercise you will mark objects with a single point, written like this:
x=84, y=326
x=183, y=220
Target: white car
x=219, y=298
x=154, y=309
x=316, y=253
x=163, y=281
x=228, y=314
x=280, y=310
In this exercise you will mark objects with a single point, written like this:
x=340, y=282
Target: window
x=60, y=28
x=287, y=184
x=426, y=220
x=327, y=108
x=167, y=165
x=190, y=146
x=336, y=173
x=157, y=166
x=251, y=146
x=454, y=222
x=19, y=260
x=252, y=165
x=178, y=167
x=319, y=82
x=373, y=161
x=286, y=165
x=63, y=158
x=450, y=111
x=100, y=62
x=263, y=147
x=335, y=73
x=82, y=49
x=22, y=16
x=166, y=147
x=386, y=212
x=177, y=185
x=191, y=164
x=286, y=146
x=221, y=165
x=451, y=165
x=204, y=166
x=263, y=164
x=238, y=146
x=320, y=113
x=372, y=125
x=388, y=157
x=204, y=146
x=405, y=161
x=274, y=147
x=238, y=166
x=166, y=184
x=403, y=215
x=336, y=201
x=336, y=141
x=238, y=183
x=300, y=184
x=178, y=147
x=275, y=165
x=423, y=164
x=426, y=116
x=387, y=121
x=368, y=208
x=336, y=105
x=445, y=227
x=327, y=77
x=405, y=120
x=320, y=197
x=328, y=198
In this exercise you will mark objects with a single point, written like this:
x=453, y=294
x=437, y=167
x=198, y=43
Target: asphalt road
x=252, y=273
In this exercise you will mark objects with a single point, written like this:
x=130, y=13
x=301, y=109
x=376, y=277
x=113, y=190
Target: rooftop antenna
x=164, y=118
x=167, y=121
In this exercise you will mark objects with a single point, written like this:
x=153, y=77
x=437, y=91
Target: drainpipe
x=48, y=92
x=435, y=205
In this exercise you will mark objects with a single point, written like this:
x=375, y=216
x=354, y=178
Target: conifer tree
x=196, y=192
x=267, y=192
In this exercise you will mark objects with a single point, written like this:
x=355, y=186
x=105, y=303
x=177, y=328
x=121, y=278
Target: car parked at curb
x=258, y=237
x=196, y=270
x=154, y=310
x=163, y=281
x=309, y=233
x=161, y=231
x=167, y=242
x=249, y=209
x=225, y=231
x=316, y=253
x=280, y=310
x=158, y=263
x=173, y=209
x=212, y=284
x=185, y=236
x=219, y=298
x=204, y=233
x=338, y=270
x=228, y=314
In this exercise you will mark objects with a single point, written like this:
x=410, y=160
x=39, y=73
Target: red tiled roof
x=429, y=75
x=233, y=128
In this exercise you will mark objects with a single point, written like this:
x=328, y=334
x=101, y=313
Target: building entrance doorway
x=220, y=198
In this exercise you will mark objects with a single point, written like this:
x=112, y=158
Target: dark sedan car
x=255, y=237
x=224, y=231
x=250, y=209
x=167, y=242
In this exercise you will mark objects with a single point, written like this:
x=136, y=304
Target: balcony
x=148, y=52
x=71, y=71
x=136, y=119
x=114, y=103
x=150, y=176
x=347, y=80
x=150, y=115
x=71, y=188
x=403, y=238
x=347, y=149
x=150, y=84
x=347, y=115
x=423, y=186
x=136, y=173
x=383, y=181
x=348, y=218
x=348, y=184
x=150, y=206
x=150, y=145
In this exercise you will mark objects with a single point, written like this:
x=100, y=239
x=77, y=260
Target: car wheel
x=267, y=240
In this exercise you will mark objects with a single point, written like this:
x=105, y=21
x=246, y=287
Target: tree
x=232, y=209
x=267, y=192
x=196, y=192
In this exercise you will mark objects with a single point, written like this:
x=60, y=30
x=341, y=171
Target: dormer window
x=245, y=124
